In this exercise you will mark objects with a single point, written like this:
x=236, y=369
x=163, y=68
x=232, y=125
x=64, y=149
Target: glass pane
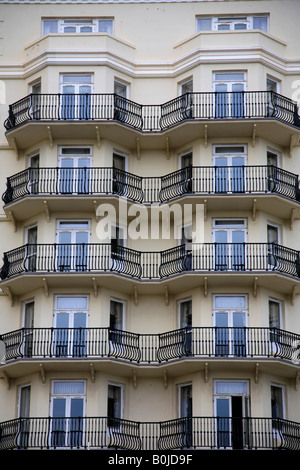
x=105, y=26
x=62, y=320
x=69, y=29
x=230, y=76
x=79, y=320
x=59, y=407
x=274, y=314
x=116, y=315
x=223, y=27
x=203, y=24
x=71, y=303
x=65, y=237
x=186, y=401
x=77, y=79
x=84, y=89
x=223, y=407
x=76, y=407
x=68, y=388
x=229, y=150
x=238, y=319
x=74, y=224
x=75, y=151
x=238, y=26
x=260, y=22
x=50, y=26
x=24, y=402
x=186, y=314
x=231, y=388
x=277, y=402
x=237, y=237
x=230, y=302
x=221, y=319
x=86, y=29
x=221, y=237
x=82, y=237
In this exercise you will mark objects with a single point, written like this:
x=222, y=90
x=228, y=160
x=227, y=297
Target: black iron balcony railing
x=194, y=257
x=193, y=342
x=190, y=180
x=153, y=118
x=182, y=433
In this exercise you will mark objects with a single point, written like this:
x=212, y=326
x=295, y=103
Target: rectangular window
x=232, y=23
x=77, y=25
x=114, y=405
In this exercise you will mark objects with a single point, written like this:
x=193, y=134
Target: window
x=186, y=86
x=229, y=87
x=24, y=412
x=277, y=403
x=70, y=320
x=76, y=100
x=72, y=251
x=230, y=320
x=74, y=170
x=231, y=406
x=67, y=411
x=31, y=247
x=114, y=405
x=186, y=412
x=28, y=324
x=232, y=23
x=229, y=162
x=229, y=236
x=77, y=25
x=121, y=88
x=116, y=324
x=185, y=322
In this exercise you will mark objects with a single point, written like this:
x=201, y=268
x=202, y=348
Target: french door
x=116, y=324
x=72, y=249
x=74, y=170
x=24, y=412
x=31, y=254
x=185, y=322
x=229, y=165
x=229, y=90
x=28, y=322
x=229, y=237
x=231, y=411
x=70, y=322
x=76, y=96
x=230, y=317
x=67, y=411
x=186, y=412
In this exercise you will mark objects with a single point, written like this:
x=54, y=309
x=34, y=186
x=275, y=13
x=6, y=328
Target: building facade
x=150, y=281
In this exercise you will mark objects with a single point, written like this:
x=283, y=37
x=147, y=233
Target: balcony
x=151, y=349
x=90, y=115
x=183, y=433
x=28, y=190
x=275, y=266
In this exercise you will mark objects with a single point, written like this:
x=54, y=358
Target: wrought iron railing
x=194, y=257
x=153, y=118
x=190, y=180
x=183, y=433
x=193, y=342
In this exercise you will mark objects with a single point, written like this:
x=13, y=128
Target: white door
x=28, y=322
x=72, y=249
x=67, y=412
x=230, y=321
x=76, y=96
x=24, y=412
x=229, y=163
x=31, y=248
x=185, y=323
x=186, y=413
x=70, y=322
x=273, y=238
x=74, y=170
x=231, y=407
x=229, y=90
x=229, y=236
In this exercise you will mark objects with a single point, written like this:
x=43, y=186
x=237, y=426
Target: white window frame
x=118, y=153
x=182, y=155
x=276, y=82
x=121, y=387
x=188, y=82
x=231, y=20
x=276, y=154
x=62, y=23
x=123, y=303
x=279, y=303
x=76, y=82
x=283, y=390
x=180, y=387
x=122, y=83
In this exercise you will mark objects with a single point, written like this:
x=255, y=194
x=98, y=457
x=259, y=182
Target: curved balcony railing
x=190, y=180
x=48, y=433
x=153, y=118
x=195, y=257
x=193, y=342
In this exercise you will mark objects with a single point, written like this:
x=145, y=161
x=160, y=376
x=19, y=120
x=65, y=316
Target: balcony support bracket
x=205, y=287
x=293, y=143
x=134, y=379
x=98, y=137
x=13, y=220
x=92, y=373
x=206, y=372
x=165, y=379
x=294, y=293
x=205, y=135
x=167, y=148
x=205, y=210
x=254, y=210
x=43, y=373
x=254, y=135
x=46, y=288
x=255, y=287
x=50, y=136
x=9, y=295
x=95, y=287
x=15, y=147
x=5, y=377
x=294, y=216
x=167, y=295
x=256, y=373
x=47, y=212
x=138, y=148
x=135, y=293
